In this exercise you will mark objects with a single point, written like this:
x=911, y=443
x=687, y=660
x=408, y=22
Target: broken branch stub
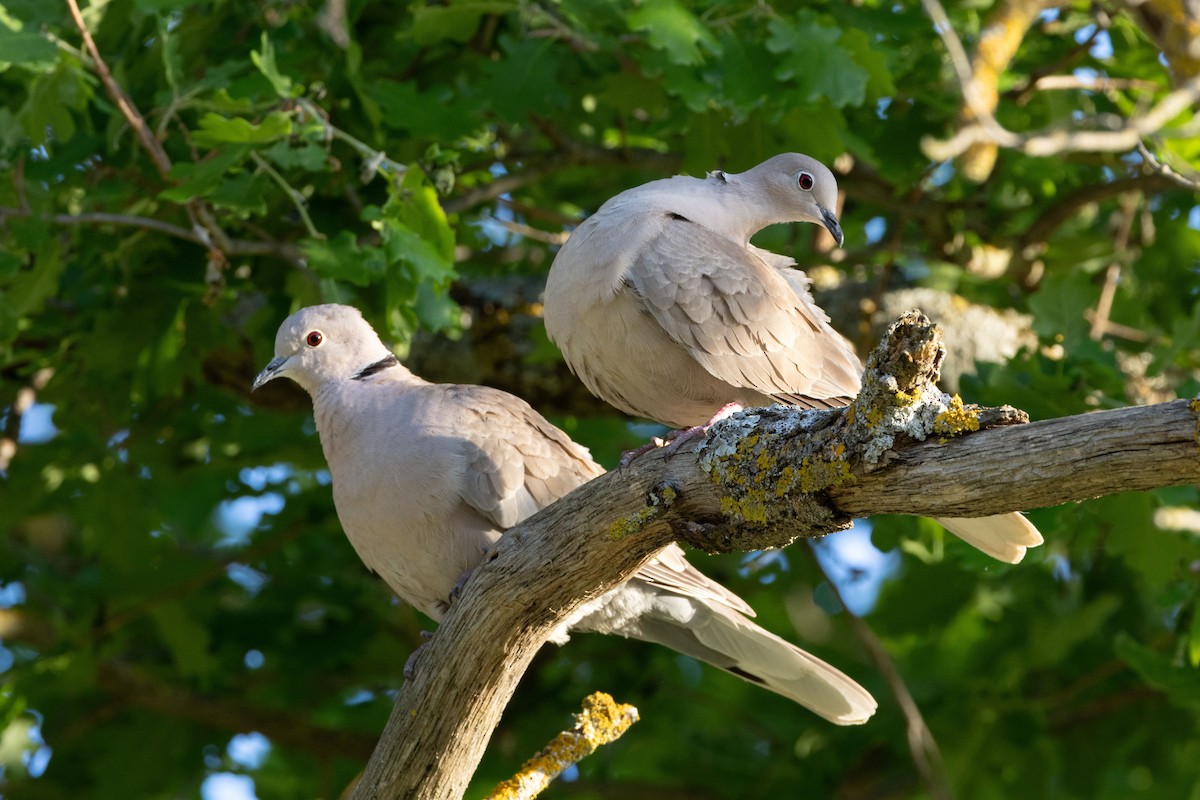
x=774, y=467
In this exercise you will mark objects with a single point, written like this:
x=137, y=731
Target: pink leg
x=676, y=439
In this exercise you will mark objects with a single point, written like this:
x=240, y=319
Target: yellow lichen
x=750, y=508
x=634, y=522
x=787, y=479
x=816, y=475
x=908, y=398
x=956, y=419
x=602, y=720
x=1194, y=405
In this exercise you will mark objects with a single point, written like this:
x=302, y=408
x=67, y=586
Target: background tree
x=179, y=175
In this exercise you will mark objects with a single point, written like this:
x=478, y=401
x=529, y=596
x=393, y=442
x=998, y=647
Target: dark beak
x=832, y=225
x=270, y=372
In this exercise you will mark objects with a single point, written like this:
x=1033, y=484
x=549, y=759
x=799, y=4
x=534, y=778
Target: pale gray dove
x=426, y=477
x=663, y=308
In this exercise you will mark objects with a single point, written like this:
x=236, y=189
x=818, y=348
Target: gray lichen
x=773, y=465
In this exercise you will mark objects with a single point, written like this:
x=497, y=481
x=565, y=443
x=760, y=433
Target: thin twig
x=962, y=66
x=202, y=219
x=559, y=29
x=1054, y=141
x=530, y=232
x=1159, y=168
x=293, y=194
x=233, y=247
x=377, y=160
x=987, y=130
x=1112, y=275
x=926, y=755
x=1090, y=83
x=136, y=121
x=602, y=720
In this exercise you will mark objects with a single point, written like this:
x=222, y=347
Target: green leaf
x=1180, y=683
x=872, y=59
x=155, y=6
x=525, y=81
x=1194, y=636
x=216, y=130
x=454, y=21
x=813, y=62
x=172, y=61
x=673, y=29
x=423, y=113
x=245, y=193
x=1159, y=559
x=187, y=640
x=1052, y=637
x=31, y=288
x=342, y=258
x=403, y=244
x=308, y=156
x=1058, y=309
x=19, y=47
x=199, y=178
x=265, y=61
x=46, y=114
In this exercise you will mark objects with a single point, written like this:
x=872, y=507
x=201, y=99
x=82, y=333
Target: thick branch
x=763, y=478
x=1036, y=465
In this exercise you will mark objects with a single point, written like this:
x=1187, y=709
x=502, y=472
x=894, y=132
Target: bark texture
x=762, y=478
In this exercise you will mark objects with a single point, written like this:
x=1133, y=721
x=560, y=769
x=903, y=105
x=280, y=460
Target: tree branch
x=150, y=144
x=761, y=479
x=926, y=755
x=983, y=133
x=602, y=720
x=233, y=247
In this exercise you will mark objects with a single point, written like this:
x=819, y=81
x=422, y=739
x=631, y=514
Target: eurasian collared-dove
x=663, y=308
x=426, y=477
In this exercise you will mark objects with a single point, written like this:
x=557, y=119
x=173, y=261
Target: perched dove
x=426, y=477
x=664, y=309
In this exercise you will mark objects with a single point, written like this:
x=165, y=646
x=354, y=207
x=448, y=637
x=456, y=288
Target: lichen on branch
x=774, y=465
x=601, y=721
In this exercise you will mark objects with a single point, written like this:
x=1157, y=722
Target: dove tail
x=726, y=639
x=1004, y=537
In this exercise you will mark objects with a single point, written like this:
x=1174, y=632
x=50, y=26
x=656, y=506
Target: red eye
x=805, y=180
x=314, y=338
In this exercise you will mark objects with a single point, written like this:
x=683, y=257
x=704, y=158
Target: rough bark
x=761, y=479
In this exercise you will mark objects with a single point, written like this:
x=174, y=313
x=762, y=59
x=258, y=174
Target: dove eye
x=805, y=180
x=314, y=338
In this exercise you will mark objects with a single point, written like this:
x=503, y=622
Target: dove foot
x=457, y=590
x=410, y=663
x=675, y=440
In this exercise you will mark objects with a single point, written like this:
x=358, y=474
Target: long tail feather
x=1004, y=537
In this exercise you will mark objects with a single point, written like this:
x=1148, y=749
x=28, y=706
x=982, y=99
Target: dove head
x=795, y=188
x=321, y=344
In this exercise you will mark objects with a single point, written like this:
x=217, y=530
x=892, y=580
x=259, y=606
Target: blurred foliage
x=173, y=572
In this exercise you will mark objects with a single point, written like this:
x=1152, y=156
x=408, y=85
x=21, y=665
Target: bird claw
x=675, y=440
x=410, y=663
x=457, y=590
